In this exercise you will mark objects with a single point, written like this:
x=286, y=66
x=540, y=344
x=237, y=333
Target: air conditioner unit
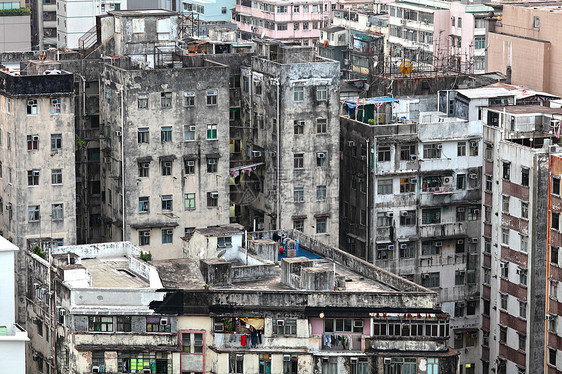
x=146, y=233
x=390, y=247
x=425, y=276
x=460, y=241
x=321, y=155
x=404, y=213
x=439, y=146
x=107, y=160
x=62, y=312
x=145, y=165
x=167, y=164
x=389, y=214
x=403, y=246
x=439, y=244
x=190, y=163
x=502, y=265
x=447, y=180
x=169, y=232
x=35, y=138
x=473, y=175
x=192, y=128
x=118, y=133
x=146, y=371
x=219, y=326
x=474, y=144
x=518, y=271
x=256, y=153
x=413, y=180
x=280, y=322
x=413, y=157
x=286, y=357
x=164, y=321
x=474, y=240
x=387, y=360
x=95, y=369
x=351, y=143
x=35, y=173
x=460, y=209
x=476, y=211
x=212, y=161
x=214, y=195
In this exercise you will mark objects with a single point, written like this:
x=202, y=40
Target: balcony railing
x=443, y=230
x=342, y=342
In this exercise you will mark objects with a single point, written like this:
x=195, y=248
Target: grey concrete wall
x=15, y=33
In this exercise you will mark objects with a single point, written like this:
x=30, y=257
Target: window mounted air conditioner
x=460, y=241
x=439, y=146
x=390, y=247
x=413, y=157
x=214, y=195
x=190, y=163
x=474, y=240
x=146, y=233
x=321, y=155
x=439, y=244
x=164, y=321
x=403, y=246
x=389, y=214
x=404, y=213
x=192, y=128
x=118, y=133
x=473, y=175
x=95, y=369
x=256, y=153
x=460, y=209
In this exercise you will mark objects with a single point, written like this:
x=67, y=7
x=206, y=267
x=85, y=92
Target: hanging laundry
x=350, y=339
x=243, y=340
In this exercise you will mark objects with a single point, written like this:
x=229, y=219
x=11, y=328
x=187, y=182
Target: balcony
x=124, y=340
x=443, y=230
x=405, y=344
x=237, y=340
x=342, y=342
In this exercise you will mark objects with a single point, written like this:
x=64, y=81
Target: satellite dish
x=221, y=253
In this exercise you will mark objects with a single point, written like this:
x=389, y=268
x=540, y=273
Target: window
x=473, y=213
x=211, y=132
x=555, y=221
x=321, y=159
x=144, y=237
x=284, y=326
x=524, y=210
x=384, y=219
x=157, y=324
x=298, y=224
x=142, y=135
x=144, y=205
x=431, y=216
x=321, y=93
x=506, y=170
x=166, y=167
x=522, y=276
x=551, y=351
x=459, y=309
x=100, y=324
x=320, y=193
x=56, y=176
x=385, y=252
x=407, y=152
x=166, y=134
x=525, y=177
x=298, y=194
x=33, y=177
x=556, y=186
x=321, y=126
x=407, y=250
x=8, y=105
x=298, y=93
x=212, y=97
x=192, y=342
x=471, y=308
x=235, y=363
x=189, y=166
x=505, y=204
x=407, y=185
x=522, y=342
x=189, y=98
x=224, y=241
x=383, y=153
x=55, y=106
x=123, y=324
x=32, y=107
x=524, y=243
x=504, y=269
x=459, y=277
x=57, y=212
x=189, y=201
x=522, y=309
x=167, y=202
x=98, y=358
x=503, y=301
x=536, y=22
x=56, y=142
x=280, y=27
x=474, y=148
x=298, y=127
x=459, y=341
x=461, y=181
x=143, y=169
x=480, y=42
x=32, y=142
x=320, y=225
x=554, y=255
x=384, y=187
x=212, y=199
x=212, y=165
x=298, y=160
x=552, y=323
x=166, y=99
x=167, y=236
x=430, y=280
x=461, y=149
x=432, y=151
x=407, y=218
x=142, y=101
x=503, y=334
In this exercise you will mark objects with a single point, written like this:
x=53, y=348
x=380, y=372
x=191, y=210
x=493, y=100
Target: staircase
x=88, y=42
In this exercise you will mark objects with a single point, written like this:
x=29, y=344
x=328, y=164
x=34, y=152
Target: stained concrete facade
x=290, y=106
x=411, y=205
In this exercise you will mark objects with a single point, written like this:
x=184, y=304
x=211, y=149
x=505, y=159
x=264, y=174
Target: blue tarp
x=352, y=104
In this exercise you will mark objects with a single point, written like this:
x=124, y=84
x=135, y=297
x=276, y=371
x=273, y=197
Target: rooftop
x=221, y=230
x=526, y=109
x=112, y=273
x=142, y=13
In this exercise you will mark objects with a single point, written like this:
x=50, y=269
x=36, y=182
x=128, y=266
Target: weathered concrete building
x=411, y=204
x=290, y=106
x=37, y=203
x=87, y=311
x=304, y=316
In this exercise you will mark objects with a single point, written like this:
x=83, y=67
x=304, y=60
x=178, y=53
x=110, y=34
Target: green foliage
x=15, y=12
x=146, y=256
x=371, y=121
x=39, y=252
x=207, y=287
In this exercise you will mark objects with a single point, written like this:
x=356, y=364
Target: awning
x=168, y=158
x=256, y=323
x=192, y=157
x=322, y=215
x=298, y=218
x=150, y=225
x=370, y=101
x=144, y=159
x=356, y=237
x=213, y=155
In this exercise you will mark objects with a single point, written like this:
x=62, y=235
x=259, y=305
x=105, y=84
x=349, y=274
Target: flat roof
x=221, y=230
x=179, y=273
x=112, y=272
x=526, y=109
x=142, y=13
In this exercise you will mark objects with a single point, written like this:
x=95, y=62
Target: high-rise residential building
x=290, y=109
x=439, y=35
x=210, y=11
x=15, y=33
x=410, y=202
x=525, y=44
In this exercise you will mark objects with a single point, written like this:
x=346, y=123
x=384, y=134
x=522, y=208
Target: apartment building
x=87, y=311
x=411, y=204
x=282, y=20
x=520, y=239
x=290, y=106
x=259, y=317
x=210, y=11
x=525, y=42
x=15, y=33
x=38, y=206
x=439, y=35
x=13, y=338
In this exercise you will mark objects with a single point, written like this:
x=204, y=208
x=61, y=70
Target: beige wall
x=535, y=53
